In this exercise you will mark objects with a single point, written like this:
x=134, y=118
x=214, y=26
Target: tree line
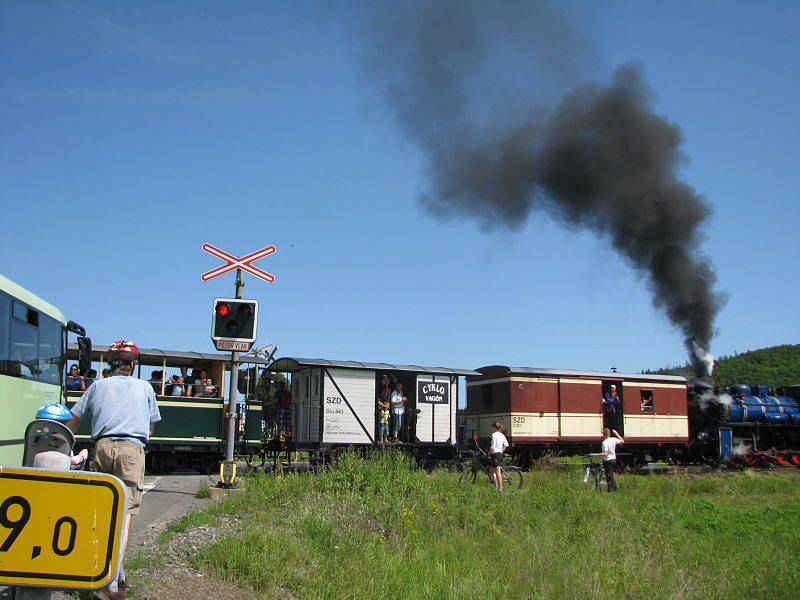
x=776, y=366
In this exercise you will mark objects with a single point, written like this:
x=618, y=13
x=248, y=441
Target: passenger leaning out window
x=75, y=381
x=177, y=388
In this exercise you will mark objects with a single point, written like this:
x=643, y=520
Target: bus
x=33, y=342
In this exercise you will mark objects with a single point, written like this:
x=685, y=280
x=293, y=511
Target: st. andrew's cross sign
x=245, y=263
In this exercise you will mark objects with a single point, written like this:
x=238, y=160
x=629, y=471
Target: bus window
x=51, y=337
x=31, y=343
x=5, y=322
x=24, y=339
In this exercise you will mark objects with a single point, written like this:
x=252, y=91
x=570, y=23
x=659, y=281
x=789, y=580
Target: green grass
x=379, y=528
x=142, y=561
x=203, y=491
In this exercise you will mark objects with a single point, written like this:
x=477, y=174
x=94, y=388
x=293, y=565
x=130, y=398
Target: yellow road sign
x=59, y=529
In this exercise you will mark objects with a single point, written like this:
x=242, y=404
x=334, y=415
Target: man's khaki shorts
x=126, y=461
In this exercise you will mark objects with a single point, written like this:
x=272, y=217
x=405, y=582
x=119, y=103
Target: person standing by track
x=497, y=447
x=610, y=441
x=122, y=410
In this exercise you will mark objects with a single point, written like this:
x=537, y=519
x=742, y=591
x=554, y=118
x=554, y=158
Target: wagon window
x=646, y=401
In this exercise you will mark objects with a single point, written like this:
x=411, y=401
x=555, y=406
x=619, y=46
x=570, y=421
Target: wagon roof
x=507, y=371
x=289, y=364
x=155, y=356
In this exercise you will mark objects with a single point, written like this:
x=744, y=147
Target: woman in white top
x=497, y=447
x=609, y=455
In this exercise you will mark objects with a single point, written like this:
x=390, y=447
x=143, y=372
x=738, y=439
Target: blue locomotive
x=748, y=424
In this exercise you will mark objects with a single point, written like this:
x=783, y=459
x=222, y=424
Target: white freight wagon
x=334, y=403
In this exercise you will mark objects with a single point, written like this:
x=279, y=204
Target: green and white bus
x=33, y=341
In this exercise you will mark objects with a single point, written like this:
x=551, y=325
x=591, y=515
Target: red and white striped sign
x=238, y=262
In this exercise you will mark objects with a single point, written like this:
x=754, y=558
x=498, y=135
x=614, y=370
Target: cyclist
x=610, y=441
x=497, y=447
x=122, y=411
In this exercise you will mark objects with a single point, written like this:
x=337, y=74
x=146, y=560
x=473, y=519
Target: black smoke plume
x=469, y=83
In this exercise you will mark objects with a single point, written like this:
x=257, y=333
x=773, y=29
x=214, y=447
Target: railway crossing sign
x=60, y=529
x=234, y=328
x=245, y=263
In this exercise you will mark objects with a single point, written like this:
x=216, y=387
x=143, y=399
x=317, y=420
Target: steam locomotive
x=750, y=424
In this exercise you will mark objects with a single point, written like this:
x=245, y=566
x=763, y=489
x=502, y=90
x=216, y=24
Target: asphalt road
x=166, y=497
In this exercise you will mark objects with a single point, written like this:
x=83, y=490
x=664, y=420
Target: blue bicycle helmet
x=54, y=412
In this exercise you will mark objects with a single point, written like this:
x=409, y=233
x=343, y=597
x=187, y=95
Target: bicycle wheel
x=468, y=474
x=512, y=477
x=599, y=478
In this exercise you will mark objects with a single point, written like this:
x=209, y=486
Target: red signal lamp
x=223, y=310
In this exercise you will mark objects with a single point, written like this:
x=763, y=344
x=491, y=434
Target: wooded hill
x=775, y=366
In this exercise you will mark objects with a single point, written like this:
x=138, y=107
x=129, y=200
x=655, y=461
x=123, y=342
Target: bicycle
x=594, y=474
x=512, y=475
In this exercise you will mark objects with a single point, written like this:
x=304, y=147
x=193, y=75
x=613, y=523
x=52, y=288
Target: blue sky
x=133, y=133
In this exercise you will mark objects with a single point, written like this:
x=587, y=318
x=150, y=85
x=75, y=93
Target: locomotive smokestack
x=601, y=159
x=704, y=361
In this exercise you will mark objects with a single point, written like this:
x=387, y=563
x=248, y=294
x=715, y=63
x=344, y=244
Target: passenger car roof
x=506, y=371
x=290, y=364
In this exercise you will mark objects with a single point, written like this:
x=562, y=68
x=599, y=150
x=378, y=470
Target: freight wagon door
x=305, y=406
x=349, y=405
x=437, y=399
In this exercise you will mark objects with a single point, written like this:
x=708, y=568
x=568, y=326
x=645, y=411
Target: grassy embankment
x=378, y=528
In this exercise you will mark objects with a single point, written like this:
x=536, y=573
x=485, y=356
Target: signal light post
x=228, y=471
x=234, y=327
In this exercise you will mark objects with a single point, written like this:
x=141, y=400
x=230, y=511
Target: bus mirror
x=73, y=327
x=84, y=354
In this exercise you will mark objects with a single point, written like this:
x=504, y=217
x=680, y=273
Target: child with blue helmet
x=60, y=413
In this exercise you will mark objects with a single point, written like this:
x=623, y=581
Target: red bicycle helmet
x=122, y=352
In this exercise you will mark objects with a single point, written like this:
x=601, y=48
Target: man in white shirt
x=610, y=441
x=398, y=401
x=497, y=447
x=122, y=410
